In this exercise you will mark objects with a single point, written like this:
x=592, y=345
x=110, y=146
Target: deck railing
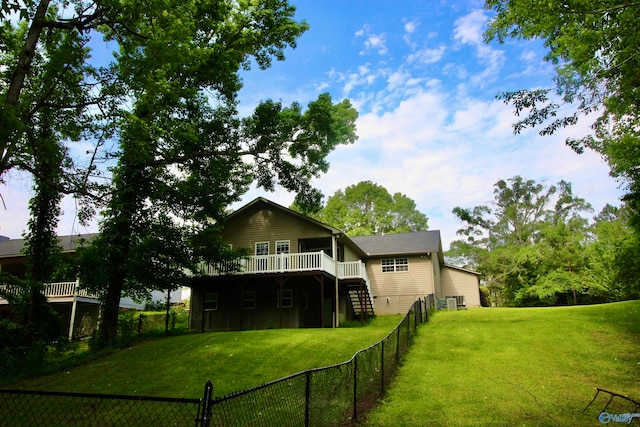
x=352, y=270
x=52, y=290
x=280, y=263
x=355, y=270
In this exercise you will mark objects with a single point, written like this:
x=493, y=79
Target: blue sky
x=430, y=127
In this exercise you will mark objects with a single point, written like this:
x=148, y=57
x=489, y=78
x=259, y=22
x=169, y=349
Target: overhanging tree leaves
x=595, y=49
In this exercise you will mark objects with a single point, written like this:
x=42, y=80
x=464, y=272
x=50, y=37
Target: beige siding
x=394, y=292
x=350, y=255
x=267, y=225
x=459, y=282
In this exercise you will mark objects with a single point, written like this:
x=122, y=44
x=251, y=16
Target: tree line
x=535, y=245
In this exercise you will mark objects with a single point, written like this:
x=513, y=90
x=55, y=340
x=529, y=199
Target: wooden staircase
x=361, y=299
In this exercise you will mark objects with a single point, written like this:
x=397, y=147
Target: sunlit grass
x=533, y=366
x=179, y=366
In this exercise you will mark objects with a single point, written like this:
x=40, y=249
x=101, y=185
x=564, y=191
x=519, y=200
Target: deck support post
x=74, y=304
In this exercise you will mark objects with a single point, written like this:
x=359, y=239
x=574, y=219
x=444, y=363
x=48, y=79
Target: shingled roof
x=13, y=247
x=419, y=242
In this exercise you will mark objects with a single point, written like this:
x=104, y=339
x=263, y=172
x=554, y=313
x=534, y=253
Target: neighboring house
x=300, y=272
x=75, y=306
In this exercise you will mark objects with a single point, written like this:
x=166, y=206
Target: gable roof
x=418, y=242
x=13, y=247
x=465, y=270
x=340, y=235
x=261, y=200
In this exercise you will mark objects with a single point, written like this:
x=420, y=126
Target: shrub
x=485, y=296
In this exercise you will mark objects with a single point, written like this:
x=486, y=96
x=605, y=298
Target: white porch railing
x=355, y=270
x=352, y=270
x=66, y=289
x=307, y=261
x=53, y=290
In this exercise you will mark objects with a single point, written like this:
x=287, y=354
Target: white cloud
x=427, y=56
x=372, y=42
x=529, y=55
x=468, y=29
x=410, y=27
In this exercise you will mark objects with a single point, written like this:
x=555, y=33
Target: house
x=76, y=307
x=300, y=272
x=406, y=266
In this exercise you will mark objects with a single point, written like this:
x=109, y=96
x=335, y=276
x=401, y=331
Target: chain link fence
x=153, y=324
x=42, y=408
x=331, y=396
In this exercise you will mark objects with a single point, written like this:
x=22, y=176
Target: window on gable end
x=262, y=248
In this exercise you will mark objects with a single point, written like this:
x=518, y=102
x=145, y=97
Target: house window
x=285, y=298
x=249, y=300
x=210, y=301
x=262, y=260
x=262, y=248
x=395, y=265
x=282, y=247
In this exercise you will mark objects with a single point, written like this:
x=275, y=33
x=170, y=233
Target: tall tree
x=44, y=113
x=525, y=243
x=614, y=268
x=368, y=208
x=164, y=109
x=184, y=153
x=595, y=50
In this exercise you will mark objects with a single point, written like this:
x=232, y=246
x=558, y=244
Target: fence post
x=382, y=368
x=307, y=398
x=404, y=350
x=398, y=346
x=140, y=324
x=207, y=407
x=355, y=389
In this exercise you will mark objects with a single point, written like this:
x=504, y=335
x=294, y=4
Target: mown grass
x=179, y=366
x=533, y=366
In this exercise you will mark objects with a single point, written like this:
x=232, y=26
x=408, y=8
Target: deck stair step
x=361, y=300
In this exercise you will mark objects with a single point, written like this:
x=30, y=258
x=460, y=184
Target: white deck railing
x=284, y=263
x=355, y=270
x=53, y=290
x=307, y=261
x=66, y=289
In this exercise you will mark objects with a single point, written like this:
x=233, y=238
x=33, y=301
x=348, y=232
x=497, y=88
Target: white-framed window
x=285, y=298
x=248, y=300
x=262, y=248
x=395, y=265
x=282, y=247
x=210, y=301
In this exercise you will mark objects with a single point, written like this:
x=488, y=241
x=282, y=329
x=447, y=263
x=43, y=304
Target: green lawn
x=234, y=361
x=534, y=366
x=530, y=366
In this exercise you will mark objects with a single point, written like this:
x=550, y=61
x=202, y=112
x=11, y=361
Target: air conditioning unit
x=452, y=304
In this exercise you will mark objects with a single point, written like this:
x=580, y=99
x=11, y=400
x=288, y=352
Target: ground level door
x=328, y=312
